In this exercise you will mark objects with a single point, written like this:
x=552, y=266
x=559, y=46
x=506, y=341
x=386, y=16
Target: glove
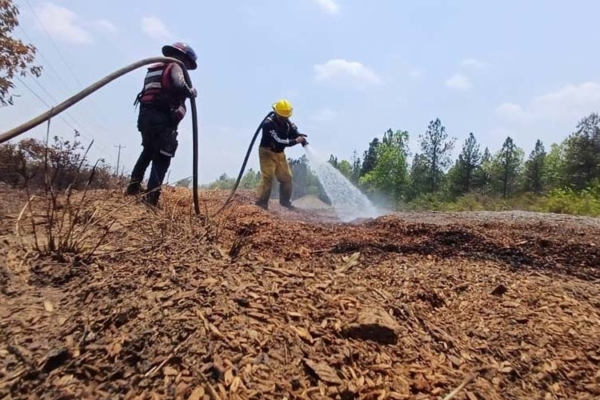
x=304, y=142
x=193, y=92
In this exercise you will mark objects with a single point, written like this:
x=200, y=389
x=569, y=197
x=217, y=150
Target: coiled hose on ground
x=40, y=119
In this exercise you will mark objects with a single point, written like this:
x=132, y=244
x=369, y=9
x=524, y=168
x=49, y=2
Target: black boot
x=151, y=199
x=133, y=189
x=262, y=204
x=289, y=206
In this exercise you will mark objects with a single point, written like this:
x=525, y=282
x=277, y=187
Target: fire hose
x=40, y=119
x=241, y=173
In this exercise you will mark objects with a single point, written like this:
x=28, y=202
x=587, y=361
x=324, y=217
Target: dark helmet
x=179, y=49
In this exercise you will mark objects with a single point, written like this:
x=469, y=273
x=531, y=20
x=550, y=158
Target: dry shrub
x=36, y=164
x=65, y=220
x=68, y=223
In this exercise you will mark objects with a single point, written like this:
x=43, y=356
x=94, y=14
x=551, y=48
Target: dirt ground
x=279, y=305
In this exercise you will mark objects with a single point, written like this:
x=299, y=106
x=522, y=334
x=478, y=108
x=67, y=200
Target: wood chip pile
x=274, y=305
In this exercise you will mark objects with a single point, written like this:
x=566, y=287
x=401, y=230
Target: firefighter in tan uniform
x=278, y=132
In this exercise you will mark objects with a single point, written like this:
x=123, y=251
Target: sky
x=351, y=68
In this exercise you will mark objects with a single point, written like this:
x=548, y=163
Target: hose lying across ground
x=40, y=119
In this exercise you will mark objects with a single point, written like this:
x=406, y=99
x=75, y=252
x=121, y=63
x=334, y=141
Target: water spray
x=348, y=202
x=40, y=119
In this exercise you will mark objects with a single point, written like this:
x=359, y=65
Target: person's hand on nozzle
x=300, y=139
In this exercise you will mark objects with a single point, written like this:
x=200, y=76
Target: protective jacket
x=277, y=135
x=165, y=89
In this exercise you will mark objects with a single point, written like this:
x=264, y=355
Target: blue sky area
x=351, y=68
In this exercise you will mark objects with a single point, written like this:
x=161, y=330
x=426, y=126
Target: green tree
x=370, y=157
x=455, y=180
x=506, y=168
x=390, y=174
x=468, y=162
x=224, y=182
x=554, y=171
x=483, y=174
x=436, y=148
x=16, y=57
x=250, y=180
x=582, y=153
x=534, y=169
x=333, y=161
x=419, y=182
x=345, y=168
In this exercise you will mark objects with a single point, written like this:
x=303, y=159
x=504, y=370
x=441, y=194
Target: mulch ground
x=257, y=304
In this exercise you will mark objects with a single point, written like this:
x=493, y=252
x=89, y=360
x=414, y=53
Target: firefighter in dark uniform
x=162, y=107
x=278, y=133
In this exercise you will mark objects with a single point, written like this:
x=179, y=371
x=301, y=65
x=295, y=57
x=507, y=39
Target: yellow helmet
x=283, y=108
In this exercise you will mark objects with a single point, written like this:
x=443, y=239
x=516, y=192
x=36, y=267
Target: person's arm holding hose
x=293, y=138
x=299, y=138
x=179, y=84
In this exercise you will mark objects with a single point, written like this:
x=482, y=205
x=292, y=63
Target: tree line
x=389, y=174
x=573, y=164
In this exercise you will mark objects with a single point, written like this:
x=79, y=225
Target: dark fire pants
x=159, y=141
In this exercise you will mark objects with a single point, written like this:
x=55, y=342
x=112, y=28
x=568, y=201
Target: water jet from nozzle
x=348, y=202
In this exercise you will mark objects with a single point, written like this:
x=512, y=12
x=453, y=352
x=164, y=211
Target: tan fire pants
x=274, y=165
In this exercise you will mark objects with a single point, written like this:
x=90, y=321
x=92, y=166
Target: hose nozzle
x=305, y=142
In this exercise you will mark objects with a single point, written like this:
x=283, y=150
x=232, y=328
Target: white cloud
x=462, y=82
x=415, y=73
x=155, y=28
x=569, y=103
x=510, y=111
x=104, y=26
x=63, y=24
x=324, y=115
x=329, y=6
x=550, y=116
x=458, y=82
x=352, y=71
x=472, y=63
